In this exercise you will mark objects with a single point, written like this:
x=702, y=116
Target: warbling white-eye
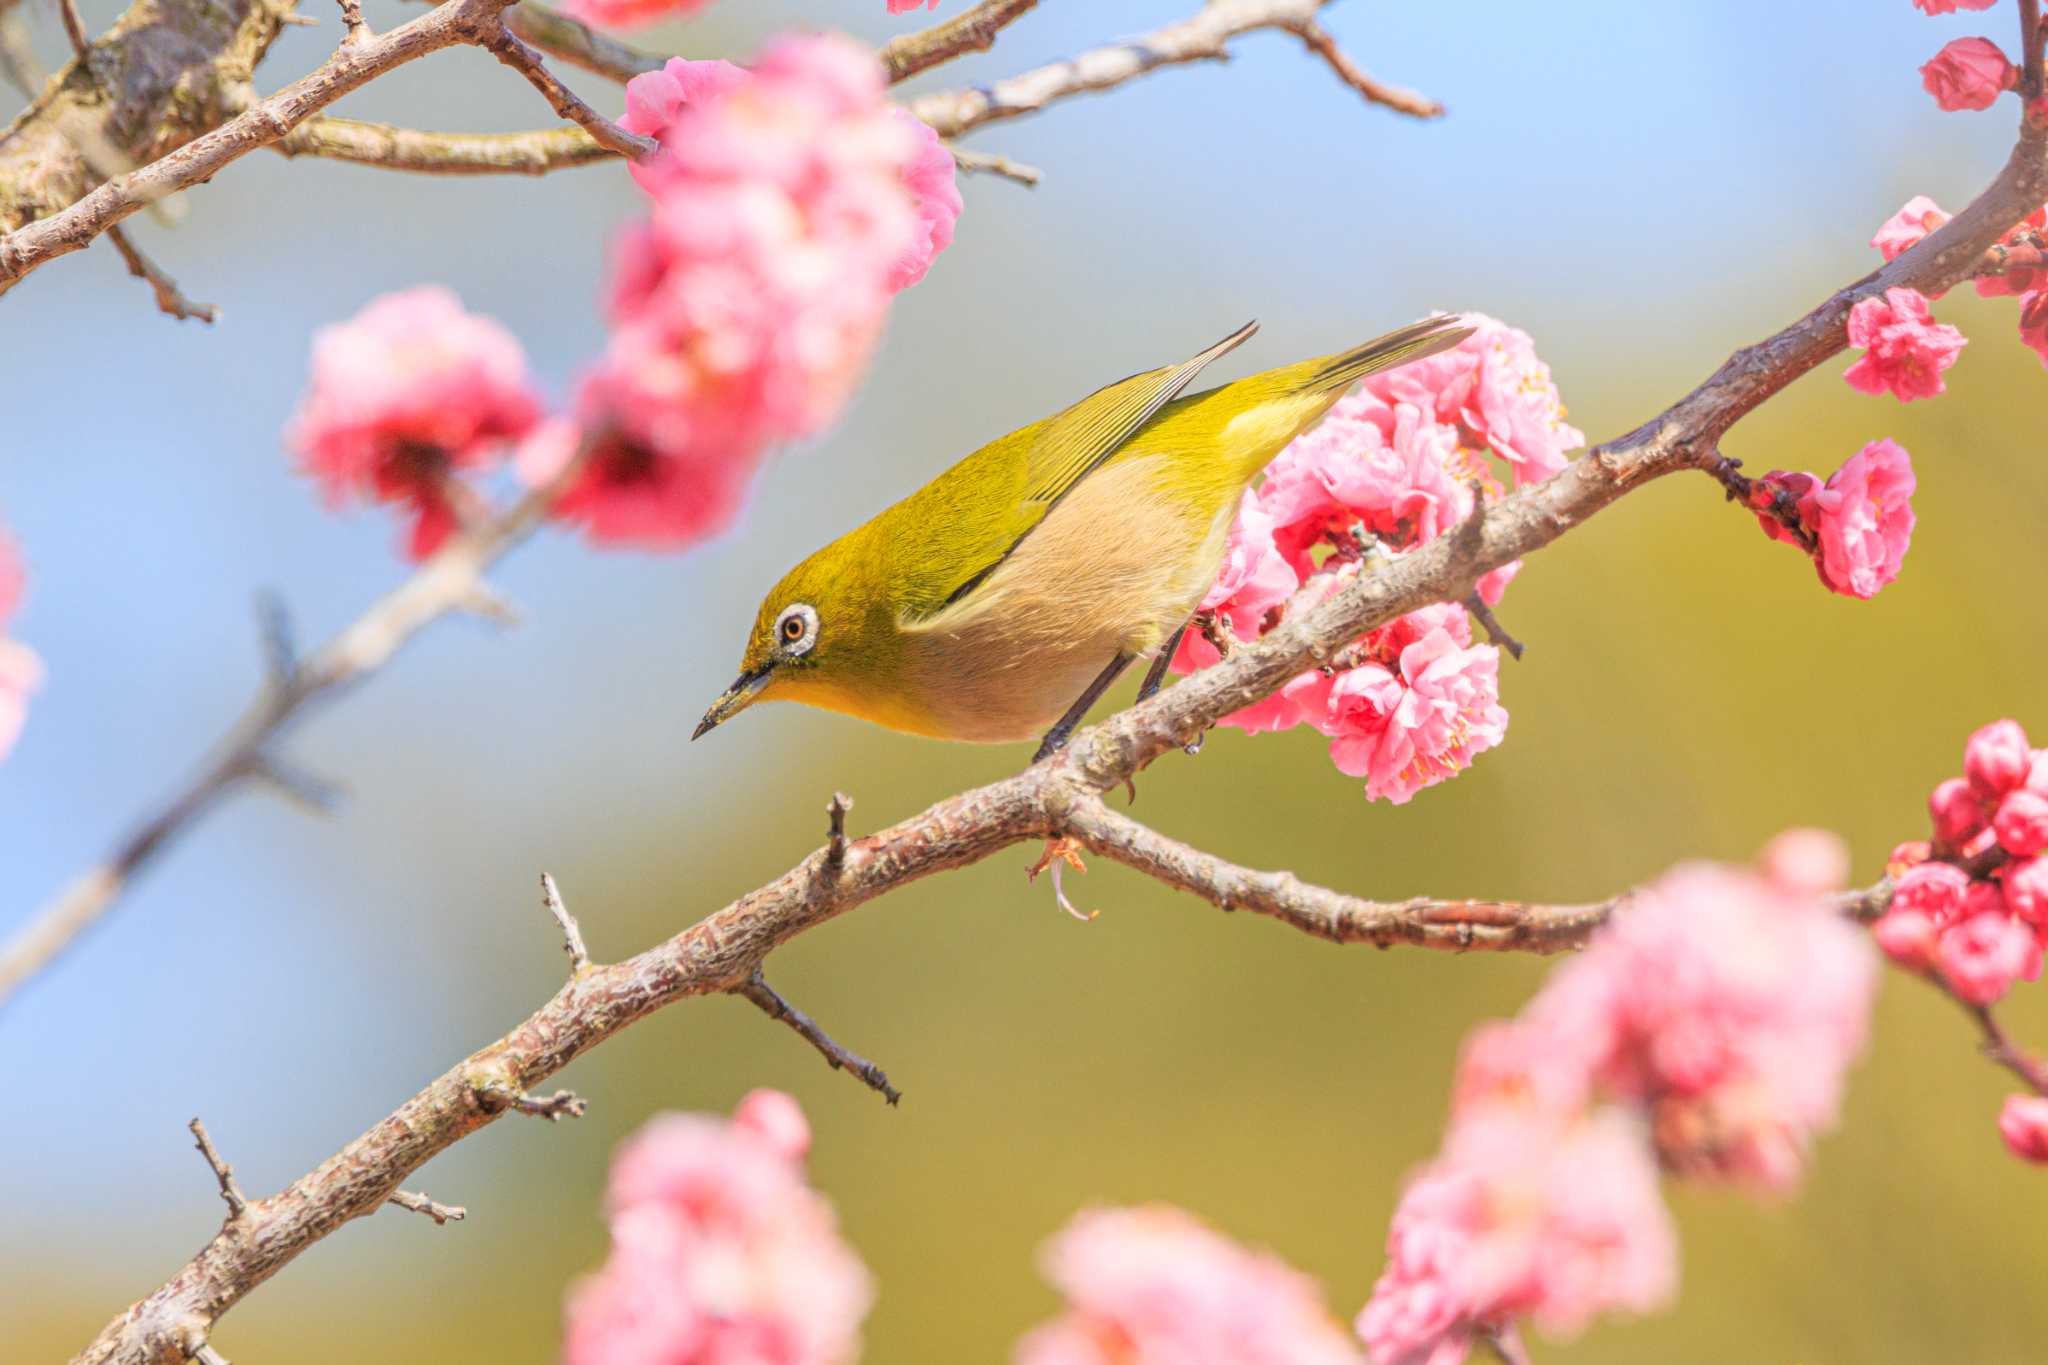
x=1006, y=595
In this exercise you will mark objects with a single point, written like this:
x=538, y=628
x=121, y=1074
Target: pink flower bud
x=1907, y=856
x=2026, y=890
x=1958, y=814
x=777, y=1120
x=1806, y=862
x=1970, y=73
x=1982, y=898
x=2022, y=822
x=2023, y=1123
x=1908, y=938
x=1935, y=890
x=1996, y=758
x=1950, y=6
x=1982, y=956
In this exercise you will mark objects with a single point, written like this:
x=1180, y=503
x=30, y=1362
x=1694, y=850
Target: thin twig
x=572, y=936
x=774, y=1006
x=563, y=1104
x=1394, y=97
x=2000, y=1048
x=74, y=29
x=1495, y=631
x=354, y=29
x=974, y=30
x=990, y=163
x=442, y=1214
x=508, y=48
x=168, y=298
x=224, y=1173
x=835, y=833
x=438, y=587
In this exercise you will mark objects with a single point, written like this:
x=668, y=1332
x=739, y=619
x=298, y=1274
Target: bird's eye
x=796, y=630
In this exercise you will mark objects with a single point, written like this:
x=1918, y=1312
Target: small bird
x=1003, y=598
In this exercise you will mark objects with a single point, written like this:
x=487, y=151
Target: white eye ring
x=796, y=630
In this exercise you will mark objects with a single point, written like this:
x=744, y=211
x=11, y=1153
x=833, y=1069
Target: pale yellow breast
x=1115, y=568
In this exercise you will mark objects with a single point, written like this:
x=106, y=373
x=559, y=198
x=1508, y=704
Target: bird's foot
x=1061, y=851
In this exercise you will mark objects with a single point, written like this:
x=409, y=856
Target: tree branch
x=169, y=299
x=442, y=1214
x=446, y=583
x=230, y=1192
x=839, y=1058
x=412, y=149
x=572, y=936
x=973, y=31
x=578, y=44
x=1202, y=37
x=507, y=47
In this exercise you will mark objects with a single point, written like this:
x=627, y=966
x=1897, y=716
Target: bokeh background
x=1643, y=187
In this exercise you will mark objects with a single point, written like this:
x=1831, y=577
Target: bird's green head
x=824, y=635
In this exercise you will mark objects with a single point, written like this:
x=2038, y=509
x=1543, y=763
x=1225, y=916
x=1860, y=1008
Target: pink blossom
x=905, y=6
x=1495, y=392
x=629, y=13
x=2022, y=823
x=1951, y=6
x=1969, y=73
x=1386, y=468
x=777, y=1120
x=1932, y=889
x=1520, y=1217
x=1413, y=725
x=2019, y=279
x=21, y=672
x=655, y=99
x=1805, y=862
x=1957, y=812
x=1255, y=579
x=1783, y=494
x=1908, y=937
x=1920, y=217
x=2023, y=1123
x=2025, y=887
x=1735, y=1005
x=1154, y=1286
x=404, y=396
x=1905, y=349
x=1980, y=957
x=1865, y=520
x=2034, y=322
x=932, y=179
x=1996, y=758
x=721, y=1252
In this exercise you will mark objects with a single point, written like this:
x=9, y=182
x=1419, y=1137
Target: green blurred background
x=1642, y=187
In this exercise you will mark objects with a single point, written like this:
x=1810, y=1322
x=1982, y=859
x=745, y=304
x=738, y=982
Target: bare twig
x=168, y=298
x=835, y=833
x=353, y=28
x=74, y=29
x=1393, y=97
x=840, y=1058
x=441, y=585
x=572, y=936
x=442, y=1214
x=563, y=1104
x=230, y=1192
x=429, y=153
x=974, y=30
x=2000, y=1048
x=1495, y=631
x=510, y=49
x=989, y=163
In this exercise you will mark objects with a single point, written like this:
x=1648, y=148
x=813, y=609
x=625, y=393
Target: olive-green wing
x=1080, y=440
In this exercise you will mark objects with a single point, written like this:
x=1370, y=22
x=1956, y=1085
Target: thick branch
x=412, y=149
x=446, y=583
x=973, y=31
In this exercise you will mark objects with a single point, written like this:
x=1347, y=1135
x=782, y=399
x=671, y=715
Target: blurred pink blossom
x=2021, y=823
x=722, y=1253
x=1969, y=73
x=1951, y=6
x=932, y=178
x=1254, y=580
x=2025, y=887
x=1983, y=955
x=2023, y=1123
x=406, y=395
x=905, y=6
x=21, y=672
x=1997, y=758
x=1155, y=1286
x=1920, y=217
x=1520, y=1217
x=1957, y=812
x=2034, y=322
x=1904, y=349
x=629, y=13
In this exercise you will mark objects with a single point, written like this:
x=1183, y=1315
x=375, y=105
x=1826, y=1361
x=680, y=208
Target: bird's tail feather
x=1398, y=347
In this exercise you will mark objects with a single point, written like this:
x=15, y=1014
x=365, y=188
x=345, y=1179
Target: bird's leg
x=1156, y=674
x=1056, y=738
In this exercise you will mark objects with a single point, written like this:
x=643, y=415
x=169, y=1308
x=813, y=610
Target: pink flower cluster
x=1391, y=467
x=905, y=6
x=788, y=204
x=1977, y=933
x=1706, y=1029
x=1857, y=526
x=722, y=1253
x=630, y=13
x=406, y=397
x=1904, y=349
x=1969, y=73
x=2025, y=254
x=1154, y=1286
x=21, y=672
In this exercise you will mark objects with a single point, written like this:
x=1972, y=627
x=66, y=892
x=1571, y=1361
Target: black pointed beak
x=734, y=700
